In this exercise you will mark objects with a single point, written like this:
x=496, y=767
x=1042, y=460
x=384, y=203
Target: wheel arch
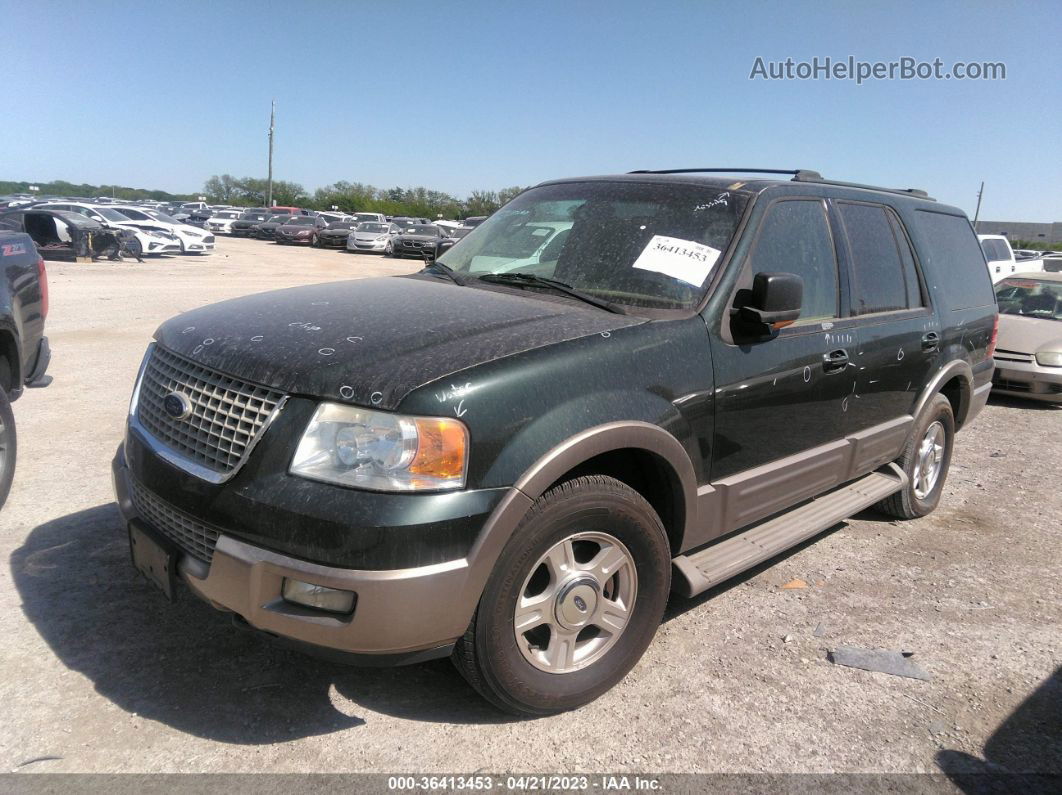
x=644, y=456
x=10, y=362
x=955, y=381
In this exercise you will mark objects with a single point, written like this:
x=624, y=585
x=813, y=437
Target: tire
x=934, y=429
x=591, y=518
x=8, y=446
x=389, y=250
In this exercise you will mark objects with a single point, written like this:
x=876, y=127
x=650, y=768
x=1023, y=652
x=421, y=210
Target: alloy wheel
x=576, y=602
x=928, y=460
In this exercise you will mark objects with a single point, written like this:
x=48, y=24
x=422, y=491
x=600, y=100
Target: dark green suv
x=613, y=388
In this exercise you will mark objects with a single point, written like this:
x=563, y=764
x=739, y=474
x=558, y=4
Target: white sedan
x=193, y=240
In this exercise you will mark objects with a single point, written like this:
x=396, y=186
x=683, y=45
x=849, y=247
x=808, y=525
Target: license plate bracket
x=153, y=558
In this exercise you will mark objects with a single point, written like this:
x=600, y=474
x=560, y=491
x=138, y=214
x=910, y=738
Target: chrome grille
x=191, y=535
x=226, y=418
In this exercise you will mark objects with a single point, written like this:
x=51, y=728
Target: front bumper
x=331, y=241
x=401, y=614
x=366, y=245
x=291, y=239
x=1027, y=380
x=161, y=247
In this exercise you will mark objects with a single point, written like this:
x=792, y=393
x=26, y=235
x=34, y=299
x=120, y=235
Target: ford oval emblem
x=177, y=405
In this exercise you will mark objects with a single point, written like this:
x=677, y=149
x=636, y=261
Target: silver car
x=1028, y=353
x=370, y=236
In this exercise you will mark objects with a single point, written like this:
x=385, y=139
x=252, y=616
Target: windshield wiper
x=442, y=269
x=533, y=280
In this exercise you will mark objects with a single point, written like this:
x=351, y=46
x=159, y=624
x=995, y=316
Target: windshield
x=420, y=229
x=135, y=215
x=639, y=244
x=253, y=217
x=342, y=225
x=111, y=215
x=298, y=220
x=278, y=219
x=166, y=219
x=373, y=227
x=1030, y=297
x=367, y=216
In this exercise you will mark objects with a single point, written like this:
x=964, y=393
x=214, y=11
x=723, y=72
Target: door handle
x=930, y=341
x=835, y=361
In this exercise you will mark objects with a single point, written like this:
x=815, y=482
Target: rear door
x=898, y=335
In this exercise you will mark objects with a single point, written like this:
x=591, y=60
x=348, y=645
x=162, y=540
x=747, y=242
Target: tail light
x=42, y=275
x=992, y=339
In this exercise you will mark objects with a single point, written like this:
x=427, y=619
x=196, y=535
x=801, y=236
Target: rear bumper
x=400, y=615
x=1028, y=380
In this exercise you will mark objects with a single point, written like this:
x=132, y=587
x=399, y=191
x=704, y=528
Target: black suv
x=613, y=388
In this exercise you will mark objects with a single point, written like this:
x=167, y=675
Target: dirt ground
x=100, y=674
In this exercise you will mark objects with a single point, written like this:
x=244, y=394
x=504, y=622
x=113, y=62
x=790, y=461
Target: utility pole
x=272, y=119
x=977, y=212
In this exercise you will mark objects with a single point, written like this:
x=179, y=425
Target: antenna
x=272, y=125
x=977, y=212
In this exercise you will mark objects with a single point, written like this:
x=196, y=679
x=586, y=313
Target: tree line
x=62, y=188
x=252, y=192
x=356, y=197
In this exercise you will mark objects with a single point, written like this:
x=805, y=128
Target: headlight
x=1049, y=358
x=382, y=452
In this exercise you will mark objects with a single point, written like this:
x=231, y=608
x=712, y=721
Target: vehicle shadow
x=186, y=665
x=1024, y=754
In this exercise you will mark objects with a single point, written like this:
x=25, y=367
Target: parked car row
x=400, y=236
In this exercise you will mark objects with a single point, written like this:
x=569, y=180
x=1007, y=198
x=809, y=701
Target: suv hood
x=372, y=341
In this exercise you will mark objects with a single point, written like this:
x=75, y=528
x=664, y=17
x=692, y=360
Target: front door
x=782, y=397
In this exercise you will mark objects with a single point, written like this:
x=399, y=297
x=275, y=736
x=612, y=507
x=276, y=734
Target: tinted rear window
x=879, y=283
x=956, y=264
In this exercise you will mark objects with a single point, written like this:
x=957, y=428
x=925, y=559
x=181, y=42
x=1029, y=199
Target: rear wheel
x=575, y=598
x=8, y=446
x=926, y=460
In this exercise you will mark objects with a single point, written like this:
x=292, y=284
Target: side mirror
x=776, y=300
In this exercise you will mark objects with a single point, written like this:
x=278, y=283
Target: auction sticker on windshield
x=680, y=259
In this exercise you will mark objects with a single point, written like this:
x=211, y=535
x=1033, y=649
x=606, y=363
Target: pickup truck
x=1002, y=261
x=24, y=351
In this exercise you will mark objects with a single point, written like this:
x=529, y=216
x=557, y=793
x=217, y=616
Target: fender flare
x=567, y=455
x=953, y=368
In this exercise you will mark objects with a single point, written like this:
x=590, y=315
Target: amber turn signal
x=442, y=448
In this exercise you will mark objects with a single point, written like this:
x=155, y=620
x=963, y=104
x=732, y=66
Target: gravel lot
x=101, y=674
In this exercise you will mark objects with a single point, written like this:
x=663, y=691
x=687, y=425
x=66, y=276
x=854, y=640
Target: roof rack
x=799, y=175
x=811, y=176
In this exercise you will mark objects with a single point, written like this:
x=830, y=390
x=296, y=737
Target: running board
x=712, y=565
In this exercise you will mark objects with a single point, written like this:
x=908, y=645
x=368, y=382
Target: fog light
x=318, y=597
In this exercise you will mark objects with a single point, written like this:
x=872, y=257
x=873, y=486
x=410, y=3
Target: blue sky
x=458, y=96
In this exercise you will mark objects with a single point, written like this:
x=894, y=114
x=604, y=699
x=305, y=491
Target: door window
x=879, y=283
x=795, y=238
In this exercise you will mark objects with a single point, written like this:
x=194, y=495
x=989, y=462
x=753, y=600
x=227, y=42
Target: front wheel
x=574, y=600
x=925, y=460
x=8, y=446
